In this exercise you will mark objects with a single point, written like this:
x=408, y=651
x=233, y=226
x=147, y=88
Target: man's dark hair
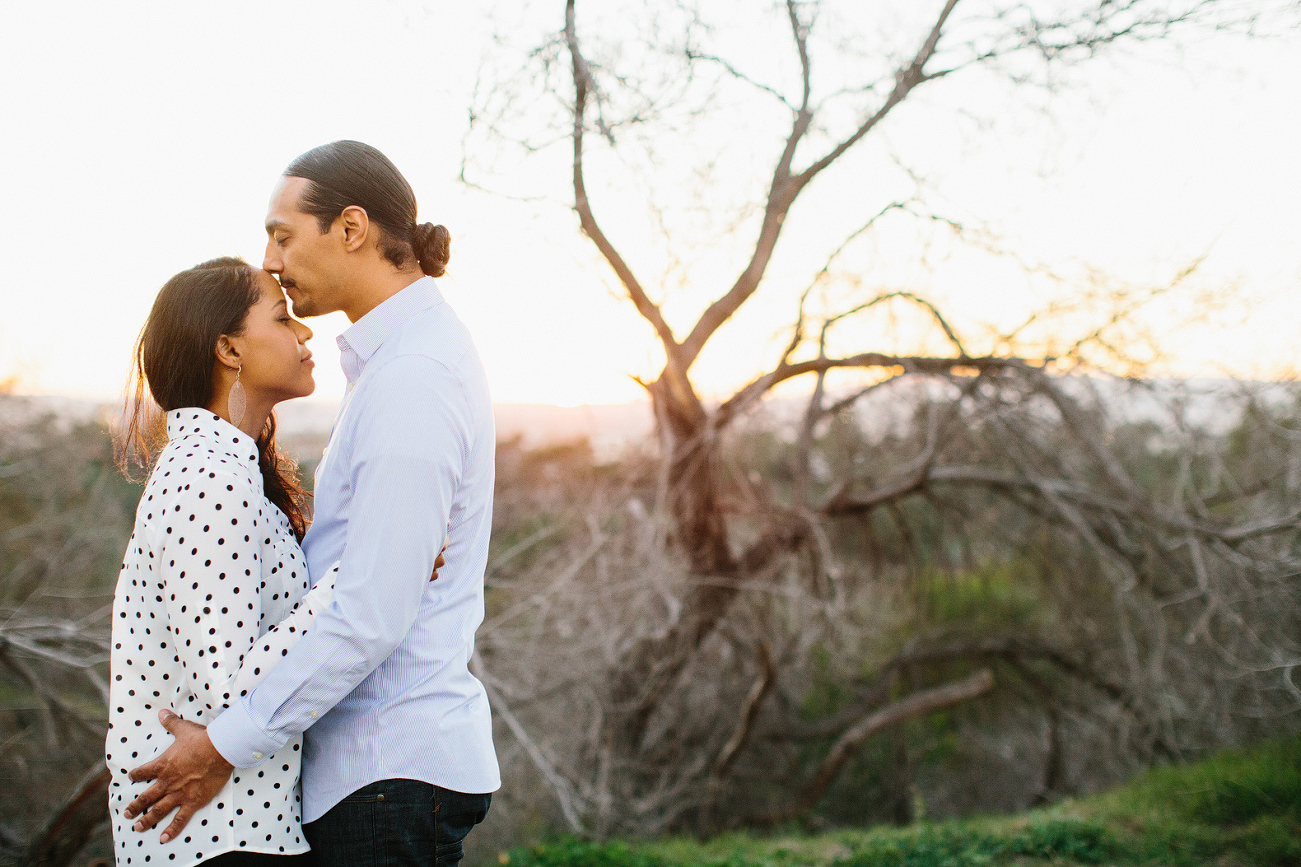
x=346, y=173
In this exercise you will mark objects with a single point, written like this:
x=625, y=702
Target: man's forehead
x=284, y=199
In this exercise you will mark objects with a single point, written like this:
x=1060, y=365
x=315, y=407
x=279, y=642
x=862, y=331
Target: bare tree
x=999, y=422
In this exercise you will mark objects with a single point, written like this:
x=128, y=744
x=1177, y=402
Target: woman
x=214, y=587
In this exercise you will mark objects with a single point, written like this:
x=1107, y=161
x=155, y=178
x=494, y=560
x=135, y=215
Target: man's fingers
x=147, y=771
x=156, y=813
x=169, y=720
x=178, y=824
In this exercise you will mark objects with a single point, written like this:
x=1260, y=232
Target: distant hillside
x=305, y=424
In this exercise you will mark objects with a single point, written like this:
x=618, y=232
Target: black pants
x=256, y=859
x=394, y=823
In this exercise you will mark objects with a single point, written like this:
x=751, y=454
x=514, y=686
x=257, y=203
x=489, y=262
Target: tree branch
x=905, y=80
x=749, y=712
x=559, y=786
x=750, y=393
x=919, y=703
x=781, y=195
x=583, y=84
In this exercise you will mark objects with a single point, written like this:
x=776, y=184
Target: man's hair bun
x=433, y=246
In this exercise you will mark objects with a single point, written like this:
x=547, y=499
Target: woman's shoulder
x=196, y=463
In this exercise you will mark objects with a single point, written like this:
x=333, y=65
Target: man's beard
x=302, y=304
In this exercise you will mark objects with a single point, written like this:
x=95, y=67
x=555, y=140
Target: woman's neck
x=255, y=414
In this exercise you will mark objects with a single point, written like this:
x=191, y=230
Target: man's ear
x=228, y=353
x=356, y=227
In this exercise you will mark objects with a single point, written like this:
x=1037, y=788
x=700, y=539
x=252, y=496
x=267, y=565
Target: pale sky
x=142, y=138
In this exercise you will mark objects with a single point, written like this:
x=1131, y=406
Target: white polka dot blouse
x=213, y=591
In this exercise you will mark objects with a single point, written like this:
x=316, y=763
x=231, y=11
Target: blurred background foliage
x=581, y=561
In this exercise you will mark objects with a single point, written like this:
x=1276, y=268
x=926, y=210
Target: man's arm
x=412, y=429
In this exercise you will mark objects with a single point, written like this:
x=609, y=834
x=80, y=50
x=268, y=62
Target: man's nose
x=270, y=261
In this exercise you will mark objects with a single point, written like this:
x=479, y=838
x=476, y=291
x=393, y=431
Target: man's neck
x=375, y=291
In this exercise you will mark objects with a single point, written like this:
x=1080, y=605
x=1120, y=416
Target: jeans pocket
x=455, y=814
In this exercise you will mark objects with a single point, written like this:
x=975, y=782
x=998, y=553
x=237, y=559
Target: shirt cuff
x=240, y=740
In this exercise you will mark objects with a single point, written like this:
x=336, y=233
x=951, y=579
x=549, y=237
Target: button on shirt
x=210, y=597
x=383, y=677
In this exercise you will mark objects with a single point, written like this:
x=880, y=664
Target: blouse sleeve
x=212, y=572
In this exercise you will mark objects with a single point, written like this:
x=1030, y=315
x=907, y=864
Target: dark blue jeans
x=256, y=859
x=395, y=822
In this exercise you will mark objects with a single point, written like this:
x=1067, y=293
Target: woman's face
x=275, y=360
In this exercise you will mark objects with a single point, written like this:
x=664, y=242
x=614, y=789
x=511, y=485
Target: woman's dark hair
x=174, y=358
x=347, y=173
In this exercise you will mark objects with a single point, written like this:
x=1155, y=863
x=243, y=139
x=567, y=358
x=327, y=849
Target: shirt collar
x=365, y=336
x=194, y=420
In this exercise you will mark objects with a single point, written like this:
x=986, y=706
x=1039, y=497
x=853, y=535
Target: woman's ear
x=228, y=353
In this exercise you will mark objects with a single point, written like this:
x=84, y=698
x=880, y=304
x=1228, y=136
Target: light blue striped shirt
x=382, y=679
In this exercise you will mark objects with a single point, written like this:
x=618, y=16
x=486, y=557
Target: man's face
x=306, y=261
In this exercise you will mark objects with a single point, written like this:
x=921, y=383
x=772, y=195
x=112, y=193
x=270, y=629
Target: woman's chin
x=303, y=391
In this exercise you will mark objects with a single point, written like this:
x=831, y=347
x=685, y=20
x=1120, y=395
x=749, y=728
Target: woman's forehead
x=268, y=286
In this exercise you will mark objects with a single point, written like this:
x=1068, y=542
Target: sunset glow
x=1146, y=168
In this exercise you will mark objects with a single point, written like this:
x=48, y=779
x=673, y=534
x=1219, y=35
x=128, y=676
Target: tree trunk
x=700, y=532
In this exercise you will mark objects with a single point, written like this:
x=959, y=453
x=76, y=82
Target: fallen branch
x=915, y=705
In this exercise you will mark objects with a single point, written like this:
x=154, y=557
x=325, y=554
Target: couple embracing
x=250, y=652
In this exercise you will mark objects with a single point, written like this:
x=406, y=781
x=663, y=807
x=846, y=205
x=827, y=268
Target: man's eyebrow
x=274, y=224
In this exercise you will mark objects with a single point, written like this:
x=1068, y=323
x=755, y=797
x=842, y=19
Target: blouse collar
x=192, y=421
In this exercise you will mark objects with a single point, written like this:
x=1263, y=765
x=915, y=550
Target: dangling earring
x=237, y=401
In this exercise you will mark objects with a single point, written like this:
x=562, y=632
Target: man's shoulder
x=433, y=350
x=436, y=333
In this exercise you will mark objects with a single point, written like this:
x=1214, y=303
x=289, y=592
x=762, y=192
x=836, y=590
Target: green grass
x=1238, y=808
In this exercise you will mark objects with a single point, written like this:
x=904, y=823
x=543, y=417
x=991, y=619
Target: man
x=398, y=761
